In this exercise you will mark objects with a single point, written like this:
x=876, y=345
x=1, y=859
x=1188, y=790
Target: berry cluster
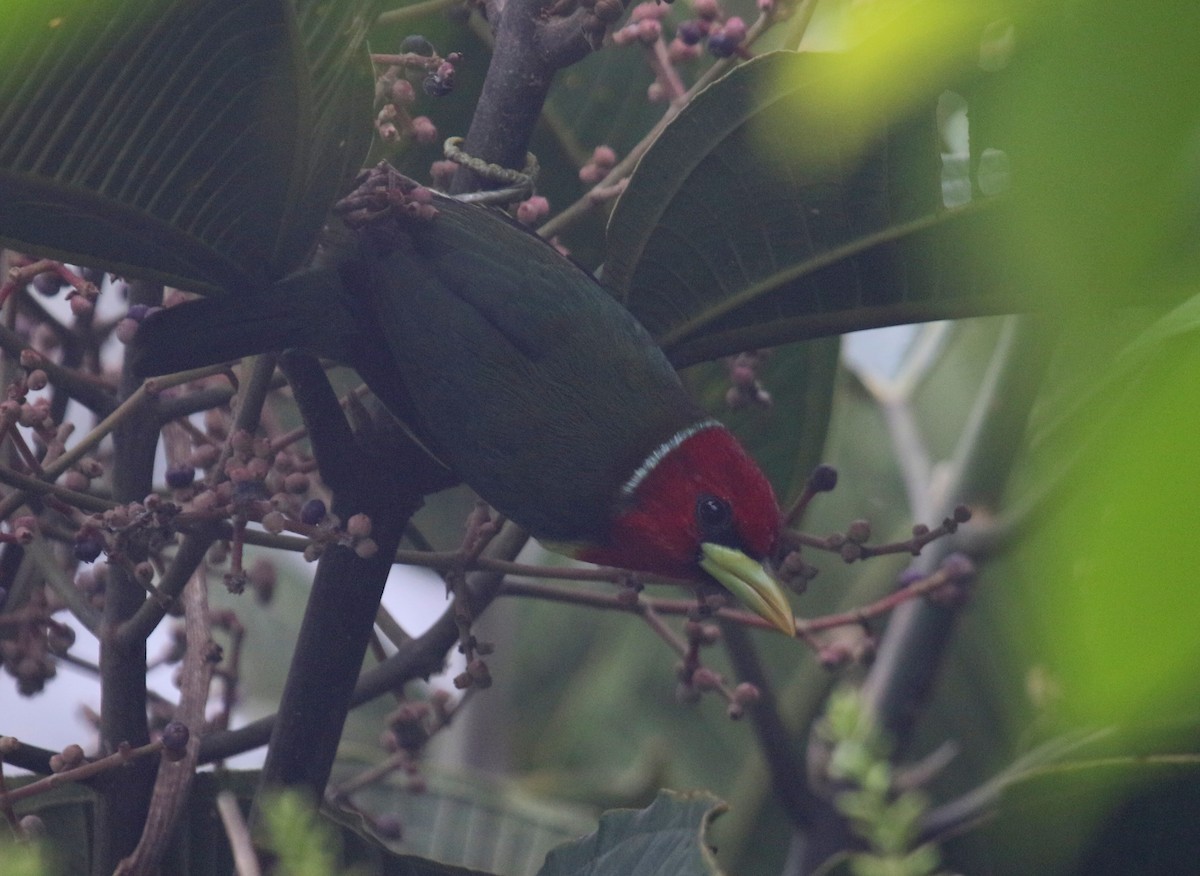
x=724, y=36
x=48, y=278
x=32, y=642
x=395, y=93
x=694, y=679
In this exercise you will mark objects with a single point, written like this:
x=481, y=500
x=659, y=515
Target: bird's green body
x=513, y=367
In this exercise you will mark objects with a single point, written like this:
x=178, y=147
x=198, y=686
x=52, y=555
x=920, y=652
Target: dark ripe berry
x=312, y=512
x=137, y=312
x=689, y=32
x=436, y=86
x=180, y=477
x=89, y=544
x=721, y=44
x=416, y=45
x=249, y=491
x=48, y=283
x=823, y=479
x=175, y=737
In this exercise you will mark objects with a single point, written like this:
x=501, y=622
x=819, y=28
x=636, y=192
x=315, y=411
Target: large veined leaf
x=196, y=141
x=464, y=820
x=750, y=221
x=666, y=837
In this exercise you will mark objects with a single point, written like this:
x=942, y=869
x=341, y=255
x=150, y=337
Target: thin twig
x=245, y=861
x=128, y=407
x=121, y=757
x=625, y=166
x=174, y=780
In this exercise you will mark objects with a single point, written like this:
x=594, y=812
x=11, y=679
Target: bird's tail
x=306, y=311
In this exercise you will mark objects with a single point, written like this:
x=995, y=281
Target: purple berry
x=89, y=544
x=175, y=736
x=437, y=86
x=248, y=491
x=137, y=312
x=689, y=32
x=312, y=512
x=721, y=44
x=823, y=478
x=47, y=283
x=181, y=477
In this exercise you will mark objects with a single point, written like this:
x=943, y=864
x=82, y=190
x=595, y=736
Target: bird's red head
x=700, y=507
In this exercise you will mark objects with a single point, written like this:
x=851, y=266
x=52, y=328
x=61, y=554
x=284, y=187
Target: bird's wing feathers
x=508, y=360
x=525, y=369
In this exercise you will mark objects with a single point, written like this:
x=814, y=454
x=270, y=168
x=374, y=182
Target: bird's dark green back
x=507, y=359
x=532, y=381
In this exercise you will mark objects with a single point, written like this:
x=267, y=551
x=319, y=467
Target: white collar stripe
x=660, y=452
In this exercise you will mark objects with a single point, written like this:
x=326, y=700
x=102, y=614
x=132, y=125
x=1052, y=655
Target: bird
x=515, y=368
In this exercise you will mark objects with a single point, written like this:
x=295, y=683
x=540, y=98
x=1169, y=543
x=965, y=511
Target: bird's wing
x=538, y=387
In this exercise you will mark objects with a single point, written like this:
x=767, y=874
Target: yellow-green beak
x=749, y=582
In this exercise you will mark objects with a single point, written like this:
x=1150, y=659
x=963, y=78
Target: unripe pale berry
x=359, y=526
x=424, y=130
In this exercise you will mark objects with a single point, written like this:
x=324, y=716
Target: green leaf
x=464, y=822
x=736, y=233
x=666, y=837
x=22, y=859
x=66, y=812
x=199, y=142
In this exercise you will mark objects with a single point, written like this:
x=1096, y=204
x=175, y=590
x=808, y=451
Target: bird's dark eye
x=715, y=518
